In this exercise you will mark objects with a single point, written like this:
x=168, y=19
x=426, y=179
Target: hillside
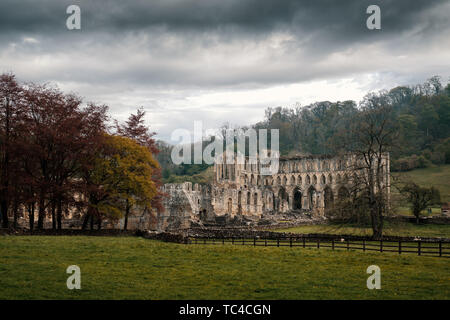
x=437, y=176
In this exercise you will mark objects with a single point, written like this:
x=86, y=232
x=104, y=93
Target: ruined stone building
x=307, y=184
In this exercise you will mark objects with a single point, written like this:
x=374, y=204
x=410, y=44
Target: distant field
x=438, y=177
x=34, y=267
x=390, y=229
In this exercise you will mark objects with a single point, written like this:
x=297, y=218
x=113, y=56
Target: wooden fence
x=421, y=248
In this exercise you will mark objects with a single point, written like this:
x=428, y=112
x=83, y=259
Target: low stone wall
x=219, y=233
x=164, y=236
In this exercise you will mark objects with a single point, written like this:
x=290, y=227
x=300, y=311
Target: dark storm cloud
x=182, y=59
x=335, y=19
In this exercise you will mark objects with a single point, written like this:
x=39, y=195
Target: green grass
x=33, y=267
x=390, y=229
x=438, y=176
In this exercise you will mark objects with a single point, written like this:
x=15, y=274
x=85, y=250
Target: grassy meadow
x=34, y=267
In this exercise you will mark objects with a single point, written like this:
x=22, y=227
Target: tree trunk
x=417, y=219
x=85, y=220
x=41, y=216
x=127, y=212
x=16, y=214
x=59, y=213
x=53, y=215
x=99, y=223
x=92, y=222
x=31, y=216
x=4, y=213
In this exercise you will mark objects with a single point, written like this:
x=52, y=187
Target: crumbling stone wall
x=302, y=185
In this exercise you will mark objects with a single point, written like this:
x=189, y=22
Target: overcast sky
x=222, y=60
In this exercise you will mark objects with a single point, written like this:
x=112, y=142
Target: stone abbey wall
x=302, y=184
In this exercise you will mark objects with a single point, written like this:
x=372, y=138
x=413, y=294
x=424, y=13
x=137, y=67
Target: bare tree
x=369, y=136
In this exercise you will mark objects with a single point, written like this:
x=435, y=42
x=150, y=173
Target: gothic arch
x=312, y=197
x=328, y=197
x=297, y=199
x=343, y=193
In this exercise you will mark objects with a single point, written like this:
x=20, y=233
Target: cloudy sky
x=222, y=60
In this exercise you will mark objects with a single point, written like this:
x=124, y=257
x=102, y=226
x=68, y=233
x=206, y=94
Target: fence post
x=348, y=244
x=381, y=245
x=304, y=243
x=332, y=244
x=318, y=243
x=290, y=242
x=232, y=240
x=278, y=242
x=243, y=241
x=419, y=247
x=364, y=245
x=254, y=241
x=265, y=242
x=400, y=247
x=223, y=239
x=195, y=241
x=440, y=248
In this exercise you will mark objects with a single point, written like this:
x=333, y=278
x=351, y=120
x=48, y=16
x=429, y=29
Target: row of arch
x=295, y=179
x=282, y=200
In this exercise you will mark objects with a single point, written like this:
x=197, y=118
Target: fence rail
x=421, y=248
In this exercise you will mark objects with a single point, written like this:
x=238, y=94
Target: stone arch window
x=343, y=193
x=299, y=180
x=252, y=179
x=312, y=197
x=355, y=178
x=248, y=198
x=338, y=178
x=297, y=200
x=328, y=197
x=284, y=181
x=278, y=180
x=323, y=180
x=345, y=179
x=308, y=180
x=255, y=199
x=230, y=205
x=330, y=179
x=292, y=182
x=314, y=179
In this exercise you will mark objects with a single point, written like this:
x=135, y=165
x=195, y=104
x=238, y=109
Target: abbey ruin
x=305, y=185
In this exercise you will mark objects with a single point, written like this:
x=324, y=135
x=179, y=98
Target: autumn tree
x=135, y=128
x=120, y=177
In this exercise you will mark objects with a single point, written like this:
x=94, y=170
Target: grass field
x=34, y=267
x=438, y=177
x=390, y=229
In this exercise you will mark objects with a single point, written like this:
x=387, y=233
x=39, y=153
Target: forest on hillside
x=421, y=114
